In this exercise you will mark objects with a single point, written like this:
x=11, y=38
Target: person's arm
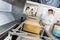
x=43, y=22
x=43, y=19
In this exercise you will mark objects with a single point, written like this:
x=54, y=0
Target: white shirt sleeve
x=50, y=20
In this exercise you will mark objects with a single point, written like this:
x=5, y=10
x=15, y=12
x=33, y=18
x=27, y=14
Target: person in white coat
x=49, y=19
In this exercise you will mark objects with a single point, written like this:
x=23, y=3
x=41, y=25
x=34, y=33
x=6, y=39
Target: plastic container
x=56, y=30
x=32, y=27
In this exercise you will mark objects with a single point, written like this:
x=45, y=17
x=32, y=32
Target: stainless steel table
x=5, y=28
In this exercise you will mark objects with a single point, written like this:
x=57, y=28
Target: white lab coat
x=49, y=20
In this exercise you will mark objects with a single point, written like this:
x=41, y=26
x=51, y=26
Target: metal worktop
x=5, y=28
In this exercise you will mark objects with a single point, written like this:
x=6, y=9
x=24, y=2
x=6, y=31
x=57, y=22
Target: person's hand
x=43, y=22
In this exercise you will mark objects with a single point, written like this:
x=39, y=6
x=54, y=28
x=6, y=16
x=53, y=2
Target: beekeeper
x=49, y=19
